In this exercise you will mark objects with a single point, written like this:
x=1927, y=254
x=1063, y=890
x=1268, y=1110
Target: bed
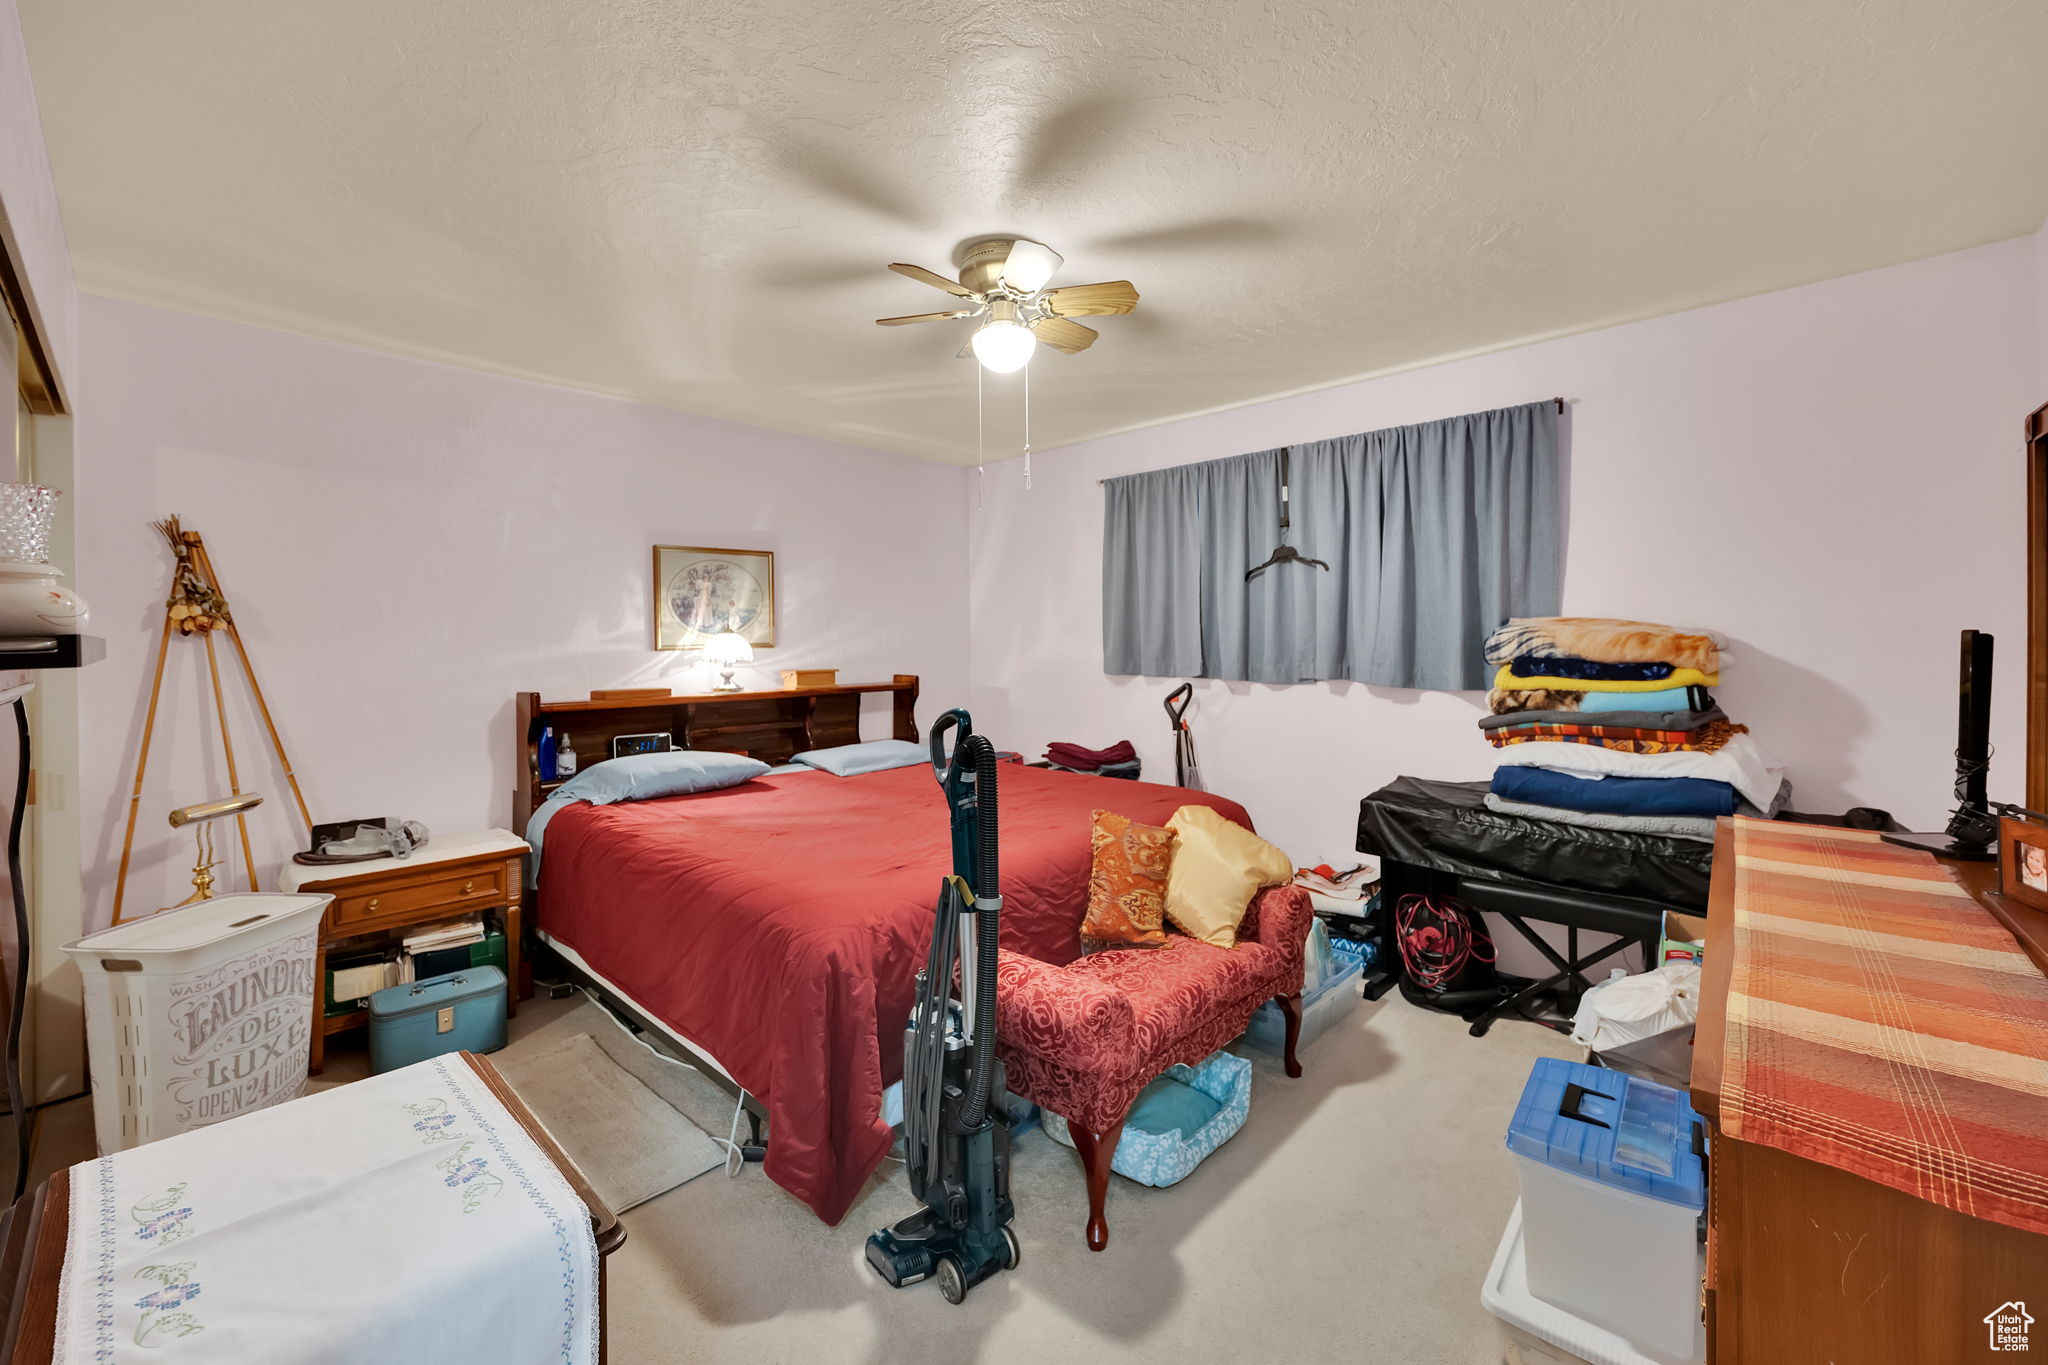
x=776, y=927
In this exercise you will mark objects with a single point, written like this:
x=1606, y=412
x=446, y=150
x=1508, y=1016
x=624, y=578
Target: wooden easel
x=197, y=606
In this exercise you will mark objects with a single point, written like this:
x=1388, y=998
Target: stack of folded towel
x=1610, y=724
x=1118, y=760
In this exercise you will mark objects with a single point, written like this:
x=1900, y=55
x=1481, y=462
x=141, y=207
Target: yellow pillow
x=1218, y=867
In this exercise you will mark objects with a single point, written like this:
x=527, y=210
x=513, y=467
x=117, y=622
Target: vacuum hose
x=988, y=902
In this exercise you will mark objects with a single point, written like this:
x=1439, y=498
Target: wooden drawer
x=439, y=890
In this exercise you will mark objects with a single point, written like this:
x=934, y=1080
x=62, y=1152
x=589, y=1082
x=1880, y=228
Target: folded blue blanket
x=1666, y=699
x=1615, y=795
x=1538, y=666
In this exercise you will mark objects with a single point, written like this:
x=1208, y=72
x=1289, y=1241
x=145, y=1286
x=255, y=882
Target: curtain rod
x=1558, y=401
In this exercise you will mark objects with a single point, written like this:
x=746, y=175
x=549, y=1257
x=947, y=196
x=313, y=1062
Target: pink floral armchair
x=1082, y=1040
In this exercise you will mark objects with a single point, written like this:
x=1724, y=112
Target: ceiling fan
x=1003, y=280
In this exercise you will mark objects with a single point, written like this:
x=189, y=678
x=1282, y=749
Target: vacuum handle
x=942, y=761
x=1185, y=695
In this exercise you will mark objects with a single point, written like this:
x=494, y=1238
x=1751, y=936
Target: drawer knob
x=374, y=903
x=468, y=887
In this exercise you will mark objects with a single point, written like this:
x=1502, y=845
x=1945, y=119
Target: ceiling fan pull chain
x=980, y=454
x=1027, y=428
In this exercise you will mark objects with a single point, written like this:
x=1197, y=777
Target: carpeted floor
x=1351, y=1220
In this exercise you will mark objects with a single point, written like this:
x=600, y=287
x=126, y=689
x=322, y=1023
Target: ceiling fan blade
x=1206, y=234
x=935, y=280
x=1029, y=266
x=1089, y=300
x=1063, y=335
x=926, y=317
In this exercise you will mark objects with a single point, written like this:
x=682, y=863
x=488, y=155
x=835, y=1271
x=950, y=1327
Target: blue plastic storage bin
x=1624, y=1132
x=461, y=1012
x=1359, y=952
x=1613, y=1181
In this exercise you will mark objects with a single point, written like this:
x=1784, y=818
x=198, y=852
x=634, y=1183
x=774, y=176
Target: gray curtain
x=1434, y=533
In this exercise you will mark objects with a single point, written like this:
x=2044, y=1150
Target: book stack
x=1348, y=891
x=440, y=948
x=354, y=976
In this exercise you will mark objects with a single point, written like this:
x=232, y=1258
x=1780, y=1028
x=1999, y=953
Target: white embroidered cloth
x=406, y=1217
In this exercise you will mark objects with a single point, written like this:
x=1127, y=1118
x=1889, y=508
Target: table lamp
x=725, y=652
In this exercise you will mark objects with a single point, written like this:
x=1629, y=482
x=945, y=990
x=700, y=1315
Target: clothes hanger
x=1283, y=553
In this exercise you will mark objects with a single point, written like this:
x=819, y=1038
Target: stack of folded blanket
x=1118, y=760
x=1610, y=724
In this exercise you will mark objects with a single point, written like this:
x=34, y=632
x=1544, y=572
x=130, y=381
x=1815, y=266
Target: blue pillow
x=642, y=777
x=851, y=760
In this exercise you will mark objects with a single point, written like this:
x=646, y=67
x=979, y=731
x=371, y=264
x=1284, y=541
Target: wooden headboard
x=770, y=726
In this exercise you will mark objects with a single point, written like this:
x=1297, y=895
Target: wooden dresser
x=451, y=875
x=1809, y=1263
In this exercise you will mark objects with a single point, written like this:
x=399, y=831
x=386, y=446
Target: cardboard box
x=1685, y=938
x=810, y=677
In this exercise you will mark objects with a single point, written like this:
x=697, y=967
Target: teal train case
x=460, y=1012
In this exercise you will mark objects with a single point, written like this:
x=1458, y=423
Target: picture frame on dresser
x=2023, y=861
x=701, y=591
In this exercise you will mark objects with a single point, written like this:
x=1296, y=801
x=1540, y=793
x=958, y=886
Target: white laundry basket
x=196, y=1015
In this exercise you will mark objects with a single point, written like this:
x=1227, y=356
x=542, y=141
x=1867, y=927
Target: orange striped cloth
x=1880, y=1021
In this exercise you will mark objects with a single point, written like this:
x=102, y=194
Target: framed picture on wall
x=2023, y=861
x=700, y=592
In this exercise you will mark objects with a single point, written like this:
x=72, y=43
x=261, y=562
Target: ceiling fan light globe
x=1003, y=346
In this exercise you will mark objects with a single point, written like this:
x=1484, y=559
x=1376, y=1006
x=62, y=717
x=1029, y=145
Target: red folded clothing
x=1074, y=756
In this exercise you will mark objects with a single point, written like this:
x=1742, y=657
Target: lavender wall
x=407, y=545
x=2041, y=293
x=1829, y=474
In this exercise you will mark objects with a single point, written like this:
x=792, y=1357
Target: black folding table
x=1439, y=838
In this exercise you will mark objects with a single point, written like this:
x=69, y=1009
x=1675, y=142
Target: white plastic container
x=1612, y=1190
x=196, y=1015
x=1533, y=1332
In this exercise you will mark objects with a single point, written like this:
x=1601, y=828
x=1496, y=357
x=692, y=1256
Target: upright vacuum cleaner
x=956, y=1133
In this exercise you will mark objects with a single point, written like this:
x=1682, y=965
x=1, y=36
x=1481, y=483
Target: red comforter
x=780, y=924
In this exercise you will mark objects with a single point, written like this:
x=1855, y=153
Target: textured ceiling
x=690, y=203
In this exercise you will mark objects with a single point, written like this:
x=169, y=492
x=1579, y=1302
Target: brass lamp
x=201, y=818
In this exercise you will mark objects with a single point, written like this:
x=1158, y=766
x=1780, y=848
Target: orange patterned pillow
x=1126, y=883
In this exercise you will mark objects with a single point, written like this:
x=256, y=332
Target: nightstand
x=453, y=874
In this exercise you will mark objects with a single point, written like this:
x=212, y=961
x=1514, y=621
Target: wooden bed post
x=526, y=784
x=906, y=707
